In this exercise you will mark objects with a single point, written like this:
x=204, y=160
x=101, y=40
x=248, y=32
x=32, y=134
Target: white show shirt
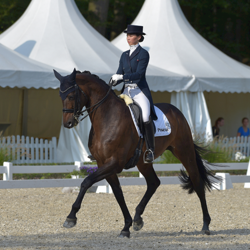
x=133, y=48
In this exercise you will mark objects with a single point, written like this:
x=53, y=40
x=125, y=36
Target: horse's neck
x=102, y=113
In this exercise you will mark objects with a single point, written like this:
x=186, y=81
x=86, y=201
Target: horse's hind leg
x=153, y=183
x=115, y=184
x=195, y=181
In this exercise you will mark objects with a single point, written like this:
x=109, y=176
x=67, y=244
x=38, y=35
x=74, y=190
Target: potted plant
x=83, y=173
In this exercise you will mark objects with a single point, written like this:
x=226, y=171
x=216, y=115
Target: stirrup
x=144, y=156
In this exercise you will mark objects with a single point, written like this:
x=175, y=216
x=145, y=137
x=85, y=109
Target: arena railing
x=8, y=169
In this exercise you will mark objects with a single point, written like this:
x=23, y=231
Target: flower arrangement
x=87, y=170
x=239, y=156
x=84, y=171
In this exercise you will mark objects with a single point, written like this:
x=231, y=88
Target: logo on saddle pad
x=164, y=129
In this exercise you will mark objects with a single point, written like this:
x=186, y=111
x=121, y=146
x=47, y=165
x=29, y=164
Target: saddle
x=137, y=112
x=136, y=109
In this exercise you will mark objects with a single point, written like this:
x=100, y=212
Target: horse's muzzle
x=70, y=124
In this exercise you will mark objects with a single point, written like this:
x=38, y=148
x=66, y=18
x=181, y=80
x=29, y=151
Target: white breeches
x=137, y=95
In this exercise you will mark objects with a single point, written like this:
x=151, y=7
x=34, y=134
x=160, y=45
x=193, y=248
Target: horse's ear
x=57, y=75
x=73, y=75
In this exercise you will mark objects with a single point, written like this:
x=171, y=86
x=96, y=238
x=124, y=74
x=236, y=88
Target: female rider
x=132, y=70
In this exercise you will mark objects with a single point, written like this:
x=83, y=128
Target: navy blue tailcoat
x=133, y=68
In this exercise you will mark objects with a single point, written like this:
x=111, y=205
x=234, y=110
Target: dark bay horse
x=113, y=139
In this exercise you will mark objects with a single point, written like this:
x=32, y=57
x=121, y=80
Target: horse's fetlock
x=75, y=208
x=207, y=219
x=158, y=183
x=129, y=222
x=139, y=210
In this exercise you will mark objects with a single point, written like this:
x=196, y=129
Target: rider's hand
x=117, y=77
x=111, y=82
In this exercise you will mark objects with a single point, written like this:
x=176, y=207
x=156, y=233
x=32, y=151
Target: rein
x=77, y=112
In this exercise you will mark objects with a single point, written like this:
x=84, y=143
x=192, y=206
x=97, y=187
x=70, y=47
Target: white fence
x=33, y=150
x=8, y=170
x=29, y=150
x=236, y=144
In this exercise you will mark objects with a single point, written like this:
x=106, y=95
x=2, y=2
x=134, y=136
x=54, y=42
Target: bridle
x=77, y=108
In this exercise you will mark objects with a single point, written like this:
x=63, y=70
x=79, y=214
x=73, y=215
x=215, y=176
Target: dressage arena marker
x=226, y=182
x=247, y=184
x=8, y=170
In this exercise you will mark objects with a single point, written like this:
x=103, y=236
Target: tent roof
x=175, y=46
x=19, y=71
x=54, y=32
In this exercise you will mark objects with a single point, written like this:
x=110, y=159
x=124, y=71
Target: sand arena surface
x=33, y=219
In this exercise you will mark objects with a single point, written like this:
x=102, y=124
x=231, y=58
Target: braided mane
x=85, y=72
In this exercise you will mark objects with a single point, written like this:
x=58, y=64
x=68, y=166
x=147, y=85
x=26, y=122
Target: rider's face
x=133, y=39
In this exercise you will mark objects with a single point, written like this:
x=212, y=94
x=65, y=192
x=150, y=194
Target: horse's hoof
x=124, y=234
x=137, y=225
x=69, y=223
x=207, y=232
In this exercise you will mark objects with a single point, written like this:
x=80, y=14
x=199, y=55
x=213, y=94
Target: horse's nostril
x=70, y=124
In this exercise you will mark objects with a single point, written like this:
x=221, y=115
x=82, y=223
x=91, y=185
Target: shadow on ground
x=222, y=239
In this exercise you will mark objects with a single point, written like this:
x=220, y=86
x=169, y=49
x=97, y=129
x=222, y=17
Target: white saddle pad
x=162, y=124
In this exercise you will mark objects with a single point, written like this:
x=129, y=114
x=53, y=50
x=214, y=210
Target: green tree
x=224, y=23
x=10, y=11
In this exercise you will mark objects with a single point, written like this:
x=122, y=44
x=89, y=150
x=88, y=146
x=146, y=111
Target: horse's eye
x=71, y=97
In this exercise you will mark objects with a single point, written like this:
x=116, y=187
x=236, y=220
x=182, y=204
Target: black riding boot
x=150, y=141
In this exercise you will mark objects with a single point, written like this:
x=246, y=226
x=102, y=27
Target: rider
x=132, y=70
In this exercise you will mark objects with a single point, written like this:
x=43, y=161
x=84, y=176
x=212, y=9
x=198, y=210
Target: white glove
x=117, y=77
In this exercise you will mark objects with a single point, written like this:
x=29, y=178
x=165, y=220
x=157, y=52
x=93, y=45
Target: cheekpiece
x=134, y=29
x=67, y=83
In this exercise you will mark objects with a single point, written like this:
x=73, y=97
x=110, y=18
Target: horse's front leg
x=115, y=184
x=100, y=174
x=153, y=183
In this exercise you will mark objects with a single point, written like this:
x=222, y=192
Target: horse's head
x=72, y=100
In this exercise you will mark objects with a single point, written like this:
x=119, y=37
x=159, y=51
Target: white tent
x=174, y=45
x=54, y=32
x=23, y=84
x=19, y=71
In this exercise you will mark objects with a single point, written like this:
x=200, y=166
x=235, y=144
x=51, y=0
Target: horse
x=113, y=139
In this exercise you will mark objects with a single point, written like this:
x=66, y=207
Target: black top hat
x=134, y=29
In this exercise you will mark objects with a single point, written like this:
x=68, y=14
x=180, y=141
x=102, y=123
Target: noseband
x=77, y=108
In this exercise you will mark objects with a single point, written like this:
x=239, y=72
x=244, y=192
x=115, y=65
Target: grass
x=168, y=157
x=4, y=155
x=216, y=153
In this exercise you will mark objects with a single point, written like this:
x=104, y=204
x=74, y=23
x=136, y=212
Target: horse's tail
x=207, y=176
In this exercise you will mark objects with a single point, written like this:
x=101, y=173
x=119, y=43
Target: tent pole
x=25, y=112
